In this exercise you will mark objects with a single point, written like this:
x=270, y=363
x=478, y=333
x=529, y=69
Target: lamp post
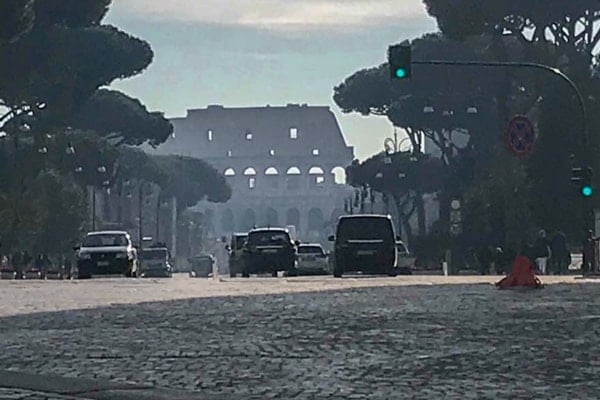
x=140, y=214
x=391, y=145
x=101, y=169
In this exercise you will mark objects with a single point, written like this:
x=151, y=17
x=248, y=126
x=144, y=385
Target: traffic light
x=582, y=178
x=399, y=60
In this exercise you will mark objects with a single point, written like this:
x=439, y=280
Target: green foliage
x=191, y=180
x=62, y=213
x=70, y=13
x=397, y=173
x=505, y=198
x=136, y=165
x=16, y=18
x=527, y=20
x=449, y=93
x=497, y=208
x=123, y=119
x=55, y=55
x=62, y=67
x=91, y=154
x=40, y=209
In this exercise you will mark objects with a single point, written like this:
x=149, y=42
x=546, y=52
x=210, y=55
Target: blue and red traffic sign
x=520, y=136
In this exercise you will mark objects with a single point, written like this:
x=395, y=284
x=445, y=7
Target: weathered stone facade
x=281, y=163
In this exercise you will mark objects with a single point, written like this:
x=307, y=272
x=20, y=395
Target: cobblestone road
x=391, y=339
x=16, y=394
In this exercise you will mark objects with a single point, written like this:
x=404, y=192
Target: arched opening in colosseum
x=251, y=174
x=293, y=217
x=229, y=172
x=293, y=178
x=339, y=175
x=333, y=220
x=317, y=176
x=248, y=220
x=316, y=221
x=228, y=221
x=272, y=177
x=271, y=217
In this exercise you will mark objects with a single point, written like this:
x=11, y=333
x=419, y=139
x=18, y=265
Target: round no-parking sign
x=520, y=136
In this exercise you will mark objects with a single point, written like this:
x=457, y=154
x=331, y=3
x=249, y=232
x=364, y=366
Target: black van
x=269, y=250
x=364, y=243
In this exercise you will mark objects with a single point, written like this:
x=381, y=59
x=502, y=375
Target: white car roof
x=108, y=233
x=269, y=230
x=358, y=216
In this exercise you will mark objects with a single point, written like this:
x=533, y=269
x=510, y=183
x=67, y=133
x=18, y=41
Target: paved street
x=376, y=338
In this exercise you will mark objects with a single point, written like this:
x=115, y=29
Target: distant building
x=285, y=165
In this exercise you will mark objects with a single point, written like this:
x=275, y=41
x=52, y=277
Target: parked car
x=269, y=250
x=364, y=243
x=33, y=273
x=6, y=273
x=154, y=263
x=106, y=253
x=312, y=259
x=201, y=266
x=235, y=251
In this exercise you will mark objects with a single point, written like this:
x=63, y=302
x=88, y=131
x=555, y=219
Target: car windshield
x=365, y=229
x=310, y=250
x=155, y=254
x=266, y=237
x=104, y=240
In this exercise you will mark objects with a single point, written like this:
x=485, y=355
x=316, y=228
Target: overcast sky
x=258, y=52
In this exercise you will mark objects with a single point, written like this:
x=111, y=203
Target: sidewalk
x=19, y=385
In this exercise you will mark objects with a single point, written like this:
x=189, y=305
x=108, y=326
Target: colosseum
x=285, y=166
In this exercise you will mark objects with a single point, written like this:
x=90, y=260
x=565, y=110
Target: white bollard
x=445, y=268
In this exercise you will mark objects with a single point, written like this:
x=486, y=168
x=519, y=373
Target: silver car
x=312, y=259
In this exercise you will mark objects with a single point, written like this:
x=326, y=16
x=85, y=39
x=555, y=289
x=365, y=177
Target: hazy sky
x=258, y=52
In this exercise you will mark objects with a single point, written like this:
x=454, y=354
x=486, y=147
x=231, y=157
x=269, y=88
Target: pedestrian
x=542, y=252
x=559, y=263
x=589, y=254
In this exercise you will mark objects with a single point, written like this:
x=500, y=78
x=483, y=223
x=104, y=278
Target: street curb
x=87, y=388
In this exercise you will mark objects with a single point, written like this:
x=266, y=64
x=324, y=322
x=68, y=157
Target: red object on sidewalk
x=521, y=276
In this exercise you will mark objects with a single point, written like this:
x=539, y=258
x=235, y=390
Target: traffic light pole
x=585, y=156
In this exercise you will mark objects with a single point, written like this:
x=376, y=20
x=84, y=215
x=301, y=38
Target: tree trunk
x=408, y=231
x=421, y=215
x=120, y=204
x=404, y=215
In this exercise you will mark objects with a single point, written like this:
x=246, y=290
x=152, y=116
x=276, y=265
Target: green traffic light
x=400, y=73
x=587, y=191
